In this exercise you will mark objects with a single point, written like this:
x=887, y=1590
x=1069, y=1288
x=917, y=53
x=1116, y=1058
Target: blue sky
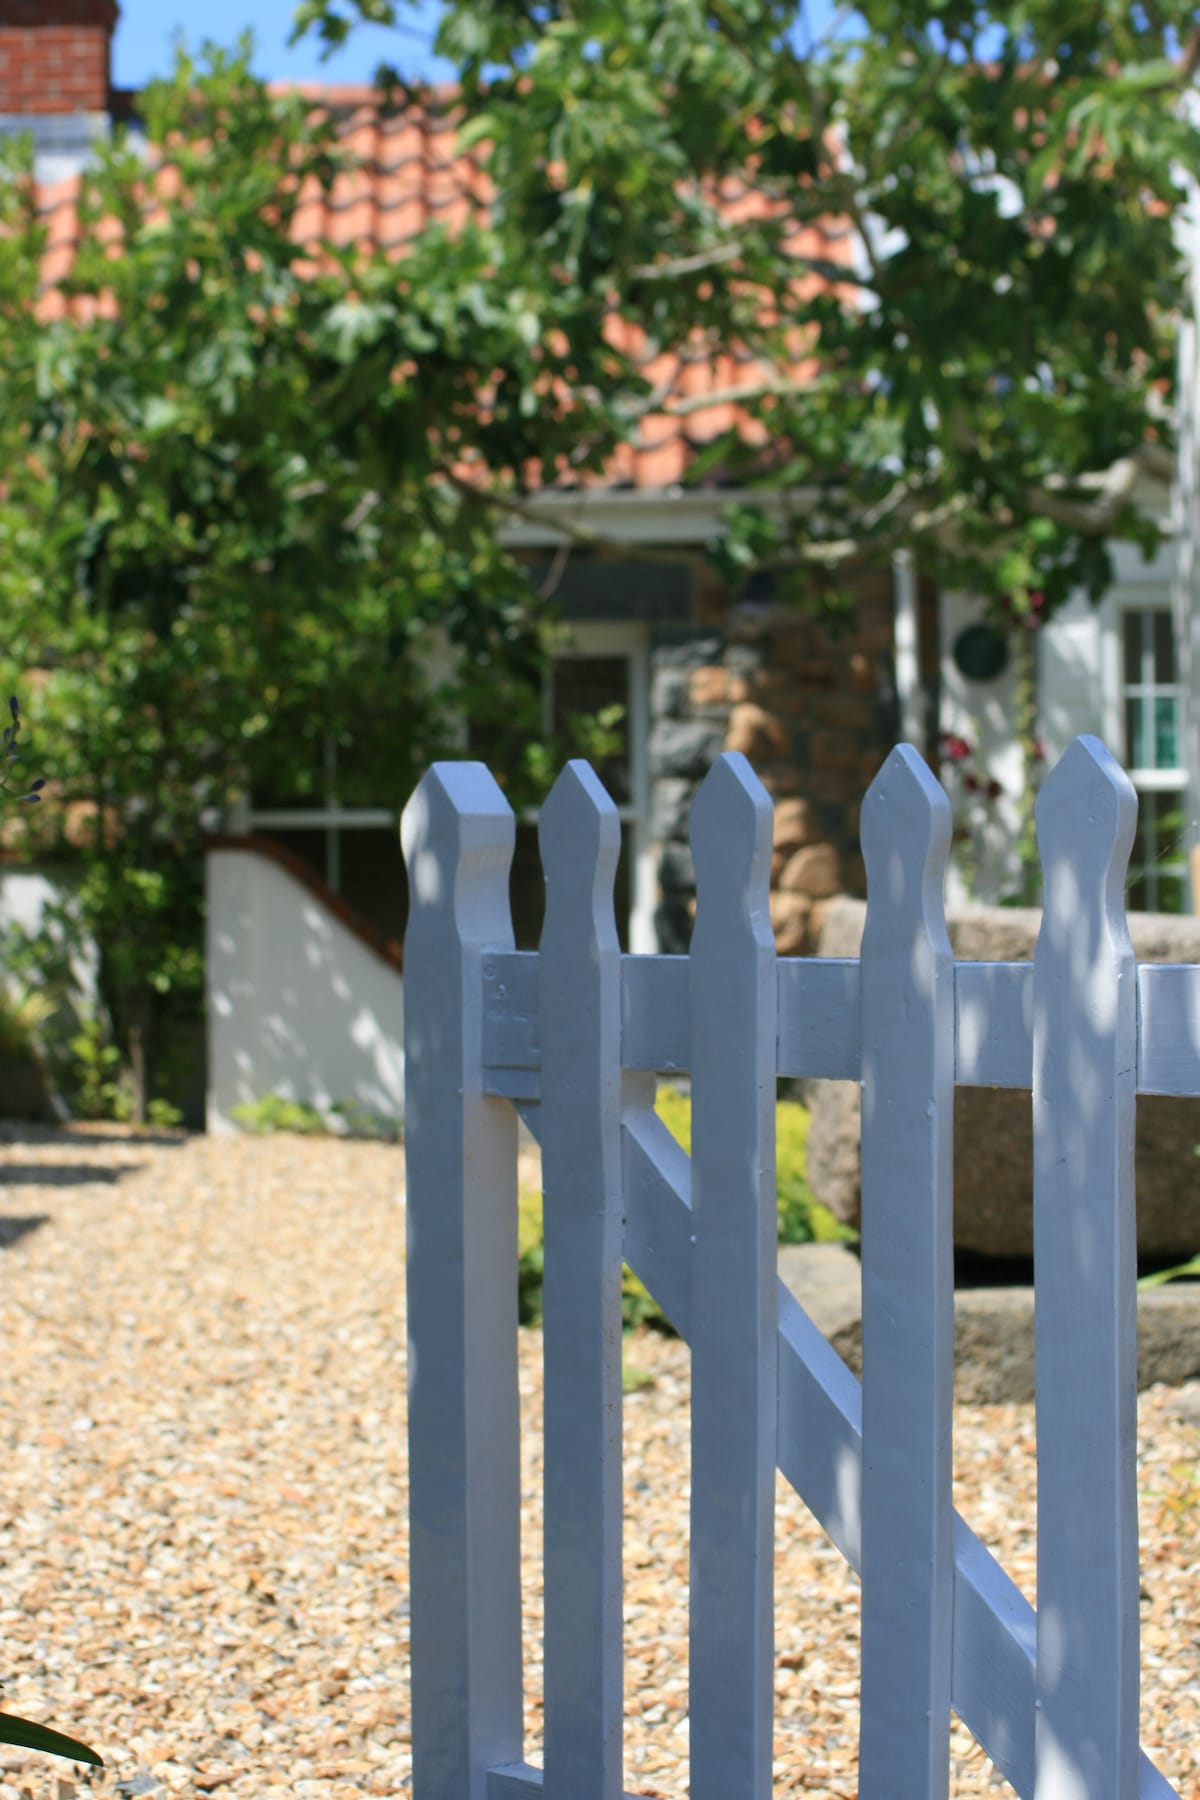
x=146, y=29
x=142, y=47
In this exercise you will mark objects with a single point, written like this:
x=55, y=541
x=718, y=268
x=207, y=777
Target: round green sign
x=981, y=652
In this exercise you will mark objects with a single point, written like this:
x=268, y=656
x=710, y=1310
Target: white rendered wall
x=298, y=1005
x=24, y=896
x=983, y=713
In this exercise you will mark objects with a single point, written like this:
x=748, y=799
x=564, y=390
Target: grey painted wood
x=1085, y=1261
x=477, y=1003
x=510, y=1010
x=819, y=1029
x=734, y=1285
x=1168, y=1028
x=580, y=1012
x=518, y=1780
x=907, y=983
x=820, y=1454
x=461, y=1154
x=819, y=1023
x=993, y=1024
x=656, y=1014
x=820, y=1427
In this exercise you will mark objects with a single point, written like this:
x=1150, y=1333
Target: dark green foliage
x=1009, y=175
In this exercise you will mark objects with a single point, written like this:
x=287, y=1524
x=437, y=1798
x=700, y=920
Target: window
x=607, y=668
x=1152, y=705
x=355, y=850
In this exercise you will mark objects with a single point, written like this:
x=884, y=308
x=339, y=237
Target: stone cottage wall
x=816, y=715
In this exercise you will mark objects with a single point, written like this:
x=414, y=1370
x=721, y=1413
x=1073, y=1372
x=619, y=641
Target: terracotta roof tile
x=408, y=177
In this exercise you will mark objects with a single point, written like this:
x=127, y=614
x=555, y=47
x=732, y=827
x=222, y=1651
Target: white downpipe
x=909, y=692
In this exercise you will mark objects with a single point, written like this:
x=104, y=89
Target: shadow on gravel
x=27, y=1131
x=11, y=1229
x=63, y=1174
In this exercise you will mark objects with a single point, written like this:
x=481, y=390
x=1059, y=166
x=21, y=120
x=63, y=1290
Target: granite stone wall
x=815, y=713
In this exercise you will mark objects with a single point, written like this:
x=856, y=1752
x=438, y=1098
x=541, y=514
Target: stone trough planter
x=993, y=1140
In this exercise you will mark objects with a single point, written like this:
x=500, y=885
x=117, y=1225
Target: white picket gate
x=570, y=1038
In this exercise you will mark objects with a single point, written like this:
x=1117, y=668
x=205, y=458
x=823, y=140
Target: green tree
x=992, y=370
x=223, y=532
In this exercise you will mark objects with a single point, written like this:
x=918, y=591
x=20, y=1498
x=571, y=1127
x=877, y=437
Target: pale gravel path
x=202, y=1520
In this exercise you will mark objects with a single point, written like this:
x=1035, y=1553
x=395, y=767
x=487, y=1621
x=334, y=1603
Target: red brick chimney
x=54, y=55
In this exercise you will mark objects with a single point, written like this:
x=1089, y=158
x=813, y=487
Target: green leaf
x=1162, y=1276
x=40, y=1737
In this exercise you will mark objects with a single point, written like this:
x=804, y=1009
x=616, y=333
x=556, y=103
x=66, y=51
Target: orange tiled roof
x=408, y=176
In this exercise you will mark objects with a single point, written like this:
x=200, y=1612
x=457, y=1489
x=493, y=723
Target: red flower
x=971, y=783
x=956, y=748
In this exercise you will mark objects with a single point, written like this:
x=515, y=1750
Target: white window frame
x=630, y=640
x=1142, y=598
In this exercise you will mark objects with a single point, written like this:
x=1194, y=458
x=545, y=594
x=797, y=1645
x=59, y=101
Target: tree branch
x=674, y=268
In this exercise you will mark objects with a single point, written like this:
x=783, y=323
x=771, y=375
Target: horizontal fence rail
x=819, y=1032
x=570, y=1038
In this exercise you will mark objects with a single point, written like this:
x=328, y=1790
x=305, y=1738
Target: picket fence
x=570, y=1038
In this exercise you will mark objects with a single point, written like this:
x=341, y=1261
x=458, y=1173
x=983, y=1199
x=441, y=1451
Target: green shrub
x=275, y=1113
x=802, y=1220
x=637, y=1305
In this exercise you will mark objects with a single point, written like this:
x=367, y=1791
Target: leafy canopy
x=228, y=535
x=1006, y=176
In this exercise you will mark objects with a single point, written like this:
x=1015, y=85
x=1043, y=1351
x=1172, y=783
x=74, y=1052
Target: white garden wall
x=298, y=1004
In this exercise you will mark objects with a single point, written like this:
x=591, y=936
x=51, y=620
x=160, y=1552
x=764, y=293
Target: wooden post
x=580, y=1008
x=1085, y=1262
x=733, y=1312
x=907, y=997
x=461, y=1153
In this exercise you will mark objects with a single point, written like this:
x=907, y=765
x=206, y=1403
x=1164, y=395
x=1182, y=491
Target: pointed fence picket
x=570, y=1039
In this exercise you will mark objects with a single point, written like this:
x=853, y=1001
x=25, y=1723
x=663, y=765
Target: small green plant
x=1180, y=1503
x=638, y=1306
x=95, y=1074
x=1160, y=1276
x=361, y=1122
x=274, y=1112
x=633, y=1379
x=20, y=1019
x=163, y=1114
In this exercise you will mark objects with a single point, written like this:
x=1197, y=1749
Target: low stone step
x=993, y=1326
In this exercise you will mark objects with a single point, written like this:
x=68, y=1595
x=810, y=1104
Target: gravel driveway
x=202, y=1528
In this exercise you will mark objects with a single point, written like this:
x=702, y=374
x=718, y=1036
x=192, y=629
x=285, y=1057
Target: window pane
x=1133, y=648
x=1164, y=649
x=1166, y=732
x=527, y=889
x=1136, y=745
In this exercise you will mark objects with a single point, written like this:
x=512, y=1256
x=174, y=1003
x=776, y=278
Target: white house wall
x=25, y=895
x=298, y=1005
x=983, y=713
x=1079, y=684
